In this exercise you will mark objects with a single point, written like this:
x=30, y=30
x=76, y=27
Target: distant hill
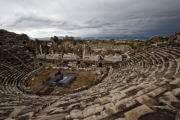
x=91, y=38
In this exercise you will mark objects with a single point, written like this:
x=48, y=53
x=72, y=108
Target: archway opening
x=40, y=64
x=78, y=62
x=100, y=64
x=24, y=42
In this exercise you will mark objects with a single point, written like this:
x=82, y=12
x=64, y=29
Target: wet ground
x=83, y=79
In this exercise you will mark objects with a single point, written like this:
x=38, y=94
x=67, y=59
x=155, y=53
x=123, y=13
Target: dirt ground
x=84, y=78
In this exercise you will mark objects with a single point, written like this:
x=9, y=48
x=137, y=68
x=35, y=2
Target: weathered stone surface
x=178, y=116
x=16, y=111
x=161, y=83
x=125, y=104
x=93, y=117
x=72, y=105
x=51, y=117
x=92, y=110
x=117, y=96
x=135, y=113
x=169, y=97
x=144, y=99
x=147, y=88
x=116, y=90
x=157, y=91
x=104, y=99
x=176, y=91
x=148, y=76
x=175, y=82
x=27, y=115
x=128, y=89
x=111, y=108
x=56, y=110
x=121, y=119
x=76, y=114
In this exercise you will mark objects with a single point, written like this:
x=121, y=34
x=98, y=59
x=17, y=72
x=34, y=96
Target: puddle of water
x=61, y=79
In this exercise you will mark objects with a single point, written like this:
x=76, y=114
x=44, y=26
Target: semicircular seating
x=147, y=83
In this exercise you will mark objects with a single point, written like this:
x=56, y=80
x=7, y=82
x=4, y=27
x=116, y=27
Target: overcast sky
x=84, y=18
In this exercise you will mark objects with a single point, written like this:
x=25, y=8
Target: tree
x=112, y=41
x=67, y=38
x=56, y=38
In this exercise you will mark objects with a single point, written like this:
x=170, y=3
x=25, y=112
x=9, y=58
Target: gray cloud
x=42, y=18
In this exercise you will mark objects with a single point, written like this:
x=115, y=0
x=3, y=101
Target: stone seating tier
x=146, y=84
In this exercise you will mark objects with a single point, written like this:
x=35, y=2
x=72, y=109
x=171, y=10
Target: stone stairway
x=130, y=93
x=147, y=86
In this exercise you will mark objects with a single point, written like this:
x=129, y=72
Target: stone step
x=135, y=113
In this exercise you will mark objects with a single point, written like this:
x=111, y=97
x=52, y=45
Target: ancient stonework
x=146, y=86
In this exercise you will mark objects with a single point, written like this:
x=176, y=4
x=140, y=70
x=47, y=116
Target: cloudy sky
x=84, y=18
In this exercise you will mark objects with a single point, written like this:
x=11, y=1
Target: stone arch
x=24, y=42
x=100, y=64
x=40, y=64
x=78, y=62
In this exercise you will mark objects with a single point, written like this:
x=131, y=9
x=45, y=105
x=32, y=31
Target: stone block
x=91, y=110
x=157, y=91
x=111, y=108
x=175, y=82
x=135, y=113
x=76, y=114
x=144, y=99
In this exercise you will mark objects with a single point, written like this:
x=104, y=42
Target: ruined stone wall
x=10, y=38
x=147, y=86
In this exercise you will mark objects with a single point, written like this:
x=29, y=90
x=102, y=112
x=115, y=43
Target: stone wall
x=10, y=38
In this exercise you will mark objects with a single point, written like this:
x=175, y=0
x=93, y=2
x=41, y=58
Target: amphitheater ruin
x=141, y=84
